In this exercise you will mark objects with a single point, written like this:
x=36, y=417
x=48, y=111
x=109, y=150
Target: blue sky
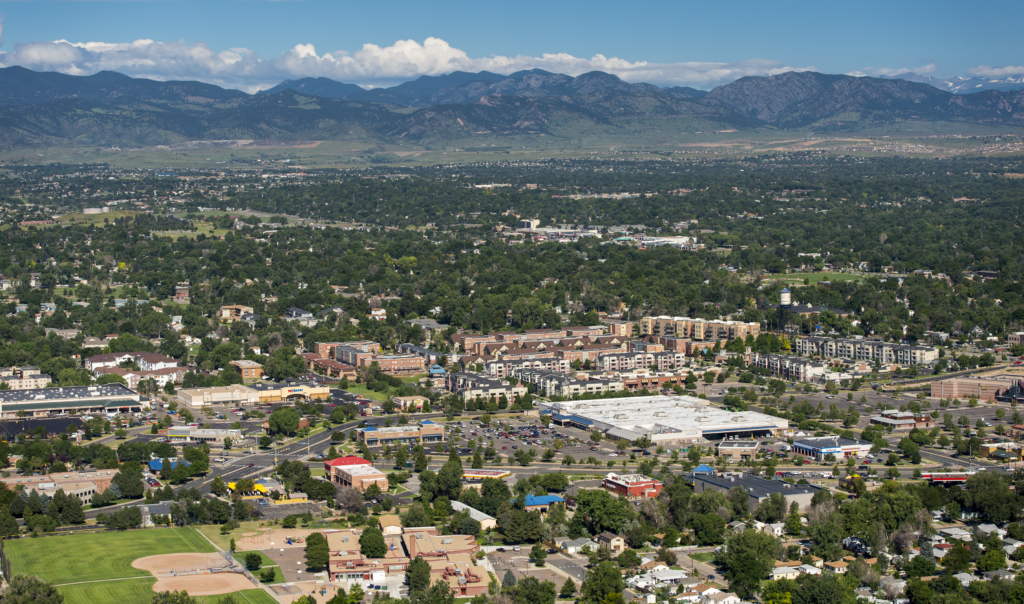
x=256, y=43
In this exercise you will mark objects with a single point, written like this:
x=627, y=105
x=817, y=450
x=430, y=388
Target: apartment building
x=351, y=353
x=698, y=329
x=560, y=384
x=430, y=357
x=867, y=350
x=502, y=368
x=147, y=361
x=24, y=378
x=797, y=369
x=628, y=361
x=399, y=364
x=475, y=386
x=250, y=370
x=324, y=349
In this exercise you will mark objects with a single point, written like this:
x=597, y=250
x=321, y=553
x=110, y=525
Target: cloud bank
x=372, y=65
x=984, y=71
x=886, y=71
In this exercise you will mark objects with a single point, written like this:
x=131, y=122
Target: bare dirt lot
x=274, y=538
x=205, y=584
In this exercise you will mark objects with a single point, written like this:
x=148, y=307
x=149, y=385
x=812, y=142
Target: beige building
x=390, y=524
x=218, y=395
x=360, y=477
x=404, y=403
x=81, y=484
x=698, y=329
x=228, y=314
x=250, y=370
x=738, y=450
x=966, y=388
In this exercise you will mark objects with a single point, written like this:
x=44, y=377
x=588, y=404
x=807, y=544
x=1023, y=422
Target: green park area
x=97, y=568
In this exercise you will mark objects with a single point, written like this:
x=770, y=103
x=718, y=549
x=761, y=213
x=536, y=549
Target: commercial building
x=903, y=420
x=81, y=484
x=986, y=389
x=666, y=420
x=738, y=450
x=698, y=329
x=250, y=370
x=399, y=364
x=68, y=400
x=475, y=478
x=632, y=486
x=866, y=350
x=253, y=394
x=218, y=395
x=838, y=446
x=758, y=489
x=424, y=432
x=189, y=434
x=360, y=477
x=541, y=503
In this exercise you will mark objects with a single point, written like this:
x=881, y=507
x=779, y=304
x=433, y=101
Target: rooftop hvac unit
x=660, y=414
x=621, y=416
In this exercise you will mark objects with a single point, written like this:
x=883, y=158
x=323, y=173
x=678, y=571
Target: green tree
x=417, y=574
x=539, y=553
x=253, y=560
x=284, y=420
x=602, y=580
x=747, y=558
x=568, y=589
x=371, y=543
x=174, y=597
x=957, y=559
x=317, y=552
x=25, y=589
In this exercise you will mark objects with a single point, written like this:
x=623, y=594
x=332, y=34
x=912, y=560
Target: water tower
x=785, y=302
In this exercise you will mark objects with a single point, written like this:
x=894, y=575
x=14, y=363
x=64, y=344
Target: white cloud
x=372, y=65
x=885, y=71
x=984, y=71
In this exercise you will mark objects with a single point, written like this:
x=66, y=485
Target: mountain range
x=113, y=109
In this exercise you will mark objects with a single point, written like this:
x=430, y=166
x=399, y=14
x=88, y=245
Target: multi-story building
x=24, y=378
x=147, y=361
x=250, y=370
x=982, y=388
x=502, y=368
x=430, y=357
x=355, y=472
x=632, y=486
x=80, y=484
x=424, y=432
x=798, y=369
x=739, y=450
x=399, y=364
x=867, y=350
x=475, y=386
x=560, y=384
x=698, y=329
x=324, y=349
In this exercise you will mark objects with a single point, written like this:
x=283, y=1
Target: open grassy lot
x=140, y=591
x=798, y=278
x=100, y=556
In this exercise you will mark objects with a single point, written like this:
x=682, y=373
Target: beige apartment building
x=698, y=329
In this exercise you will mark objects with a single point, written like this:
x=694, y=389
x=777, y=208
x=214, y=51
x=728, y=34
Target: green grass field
x=812, y=278
x=100, y=556
x=140, y=591
x=96, y=568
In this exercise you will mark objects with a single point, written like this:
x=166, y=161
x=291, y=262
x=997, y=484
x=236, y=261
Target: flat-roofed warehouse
x=666, y=420
x=47, y=402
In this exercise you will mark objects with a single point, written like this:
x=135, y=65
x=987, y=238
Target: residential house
x=613, y=542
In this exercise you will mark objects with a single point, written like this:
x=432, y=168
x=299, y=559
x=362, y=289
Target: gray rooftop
x=758, y=487
x=38, y=395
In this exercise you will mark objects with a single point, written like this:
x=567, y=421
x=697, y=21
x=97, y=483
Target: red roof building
x=633, y=486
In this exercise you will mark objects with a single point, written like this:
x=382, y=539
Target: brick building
x=632, y=486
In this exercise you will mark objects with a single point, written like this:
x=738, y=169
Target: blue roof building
x=541, y=503
x=156, y=465
x=704, y=470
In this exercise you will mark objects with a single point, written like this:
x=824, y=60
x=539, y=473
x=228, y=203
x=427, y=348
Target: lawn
x=361, y=389
x=813, y=278
x=100, y=556
x=212, y=532
x=265, y=563
x=140, y=591
x=704, y=557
